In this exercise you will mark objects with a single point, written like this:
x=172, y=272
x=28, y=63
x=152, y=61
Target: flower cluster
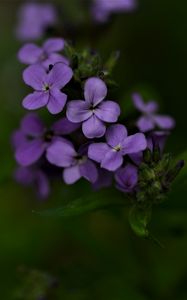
x=86, y=139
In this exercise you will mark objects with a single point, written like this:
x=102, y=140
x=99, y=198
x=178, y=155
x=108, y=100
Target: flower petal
x=35, y=76
x=150, y=107
x=93, y=128
x=59, y=76
x=145, y=124
x=28, y=153
x=29, y=54
x=88, y=170
x=97, y=151
x=57, y=101
x=108, y=111
x=78, y=111
x=95, y=90
x=61, y=153
x=112, y=160
x=134, y=144
x=71, y=174
x=116, y=134
x=54, y=58
x=164, y=122
x=53, y=45
x=35, y=100
x=42, y=184
x=64, y=126
x=32, y=125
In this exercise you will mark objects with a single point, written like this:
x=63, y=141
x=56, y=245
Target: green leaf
x=89, y=203
x=139, y=219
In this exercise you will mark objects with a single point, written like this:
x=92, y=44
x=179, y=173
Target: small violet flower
x=127, y=178
x=32, y=139
x=110, y=154
x=33, y=177
x=93, y=112
x=101, y=9
x=150, y=118
x=34, y=19
x=46, y=55
x=75, y=164
x=47, y=87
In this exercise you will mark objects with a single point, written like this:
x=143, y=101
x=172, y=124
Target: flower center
x=46, y=87
x=80, y=159
x=48, y=136
x=117, y=148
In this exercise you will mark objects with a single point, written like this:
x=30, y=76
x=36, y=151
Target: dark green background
x=96, y=255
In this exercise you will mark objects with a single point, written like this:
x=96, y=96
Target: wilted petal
x=29, y=54
x=112, y=160
x=32, y=125
x=64, y=126
x=28, y=153
x=59, y=76
x=145, y=124
x=97, y=151
x=134, y=144
x=53, y=45
x=108, y=111
x=88, y=170
x=61, y=154
x=35, y=100
x=116, y=134
x=71, y=174
x=93, y=127
x=164, y=122
x=78, y=111
x=35, y=76
x=95, y=90
x=57, y=101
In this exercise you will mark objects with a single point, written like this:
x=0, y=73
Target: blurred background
x=96, y=255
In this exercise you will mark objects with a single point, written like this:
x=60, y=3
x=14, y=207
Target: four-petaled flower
x=150, y=118
x=127, y=178
x=75, y=164
x=34, y=19
x=32, y=139
x=47, y=87
x=93, y=112
x=110, y=154
x=46, y=55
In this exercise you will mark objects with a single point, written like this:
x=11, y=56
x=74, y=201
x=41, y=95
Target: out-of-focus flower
x=46, y=55
x=104, y=179
x=34, y=19
x=110, y=154
x=75, y=164
x=32, y=139
x=47, y=87
x=127, y=178
x=93, y=112
x=33, y=177
x=150, y=118
x=102, y=9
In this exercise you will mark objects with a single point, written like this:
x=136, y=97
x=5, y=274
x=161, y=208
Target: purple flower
x=127, y=178
x=110, y=154
x=32, y=139
x=75, y=164
x=34, y=177
x=150, y=118
x=34, y=19
x=93, y=112
x=101, y=9
x=47, y=87
x=46, y=55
